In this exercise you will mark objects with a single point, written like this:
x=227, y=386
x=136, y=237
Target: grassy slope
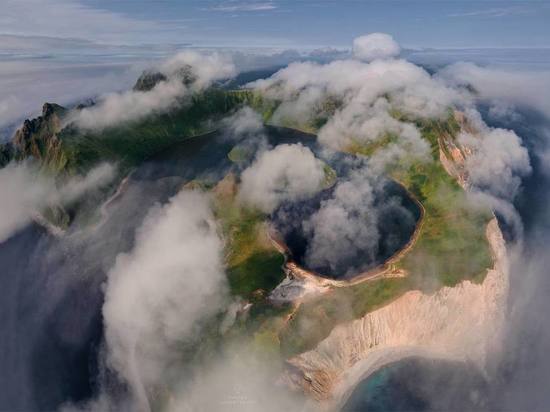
x=254, y=265
x=133, y=142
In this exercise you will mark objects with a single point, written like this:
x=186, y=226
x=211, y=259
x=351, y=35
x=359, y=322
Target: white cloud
x=156, y=294
x=367, y=123
x=493, y=12
x=132, y=105
x=344, y=227
x=26, y=193
x=244, y=122
x=206, y=66
x=287, y=172
x=375, y=46
x=367, y=92
x=512, y=86
x=118, y=108
x=239, y=381
x=232, y=6
x=27, y=84
x=498, y=161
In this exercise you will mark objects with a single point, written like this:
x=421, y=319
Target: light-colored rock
x=462, y=323
x=298, y=285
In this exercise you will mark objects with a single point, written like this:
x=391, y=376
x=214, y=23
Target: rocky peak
x=50, y=109
x=35, y=136
x=186, y=75
x=148, y=80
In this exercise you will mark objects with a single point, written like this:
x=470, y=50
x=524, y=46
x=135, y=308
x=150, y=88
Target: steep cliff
x=461, y=322
x=37, y=138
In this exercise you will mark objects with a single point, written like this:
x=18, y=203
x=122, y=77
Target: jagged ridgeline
x=61, y=146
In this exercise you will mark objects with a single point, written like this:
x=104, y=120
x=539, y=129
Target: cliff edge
x=461, y=323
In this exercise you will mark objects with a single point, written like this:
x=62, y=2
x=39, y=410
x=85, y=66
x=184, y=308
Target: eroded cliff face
x=462, y=322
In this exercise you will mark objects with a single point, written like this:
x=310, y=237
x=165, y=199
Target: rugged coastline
x=459, y=323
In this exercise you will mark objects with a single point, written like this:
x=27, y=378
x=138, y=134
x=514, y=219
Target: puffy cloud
x=123, y=107
x=157, y=294
x=132, y=105
x=26, y=193
x=498, y=161
x=375, y=46
x=365, y=96
x=244, y=122
x=356, y=123
x=206, y=67
x=287, y=172
x=344, y=226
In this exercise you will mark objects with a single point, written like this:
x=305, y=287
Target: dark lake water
x=420, y=385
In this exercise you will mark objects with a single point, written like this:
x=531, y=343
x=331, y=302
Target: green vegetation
x=133, y=142
x=257, y=274
x=368, y=149
x=254, y=265
x=254, y=269
x=452, y=245
x=239, y=154
x=330, y=176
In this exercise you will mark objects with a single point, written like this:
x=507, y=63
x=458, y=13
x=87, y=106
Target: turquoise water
x=420, y=385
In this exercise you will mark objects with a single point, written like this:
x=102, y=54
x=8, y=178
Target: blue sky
x=283, y=23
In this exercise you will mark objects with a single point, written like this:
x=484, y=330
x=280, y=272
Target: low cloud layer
x=156, y=294
x=287, y=172
x=359, y=99
x=133, y=105
x=500, y=86
x=27, y=84
x=26, y=193
x=244, y=123
x=238, y=380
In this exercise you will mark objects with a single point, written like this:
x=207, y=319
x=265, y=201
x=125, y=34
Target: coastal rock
x=462, y=323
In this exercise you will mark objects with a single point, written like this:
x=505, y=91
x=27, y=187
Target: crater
x=388, y=224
